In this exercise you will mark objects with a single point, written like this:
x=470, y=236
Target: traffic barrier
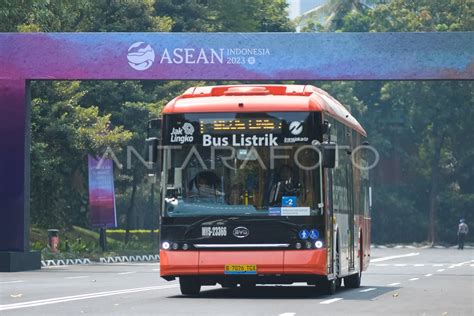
x=117, y=259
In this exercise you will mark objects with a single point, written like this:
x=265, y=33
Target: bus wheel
x=353, y=281
x=328, y=287
x=189, y=286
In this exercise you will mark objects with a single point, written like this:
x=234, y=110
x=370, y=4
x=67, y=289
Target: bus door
x=328, y=179
x=350, y=206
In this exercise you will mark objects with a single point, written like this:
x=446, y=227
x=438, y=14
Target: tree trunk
x=130, y=208
x=435, y=175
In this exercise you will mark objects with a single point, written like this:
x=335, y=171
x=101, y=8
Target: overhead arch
x=191, y=56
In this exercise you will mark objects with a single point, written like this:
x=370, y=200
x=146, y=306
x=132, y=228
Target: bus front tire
x=353, y=281
x=189, y=285
x=328, y=287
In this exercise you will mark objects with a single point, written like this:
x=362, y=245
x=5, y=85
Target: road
x=398, y=282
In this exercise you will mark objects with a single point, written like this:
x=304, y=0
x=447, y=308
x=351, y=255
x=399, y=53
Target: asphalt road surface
x=398, y=282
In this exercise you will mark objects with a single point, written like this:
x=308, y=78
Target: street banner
x=101, y=193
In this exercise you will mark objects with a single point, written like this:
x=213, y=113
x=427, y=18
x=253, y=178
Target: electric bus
x=261, y=184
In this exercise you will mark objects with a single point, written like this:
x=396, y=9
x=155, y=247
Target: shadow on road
x=288, y=292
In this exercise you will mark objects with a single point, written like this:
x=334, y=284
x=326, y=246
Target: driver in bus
x=204, y=185
x=286, y=184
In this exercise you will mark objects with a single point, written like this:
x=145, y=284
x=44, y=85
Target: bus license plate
x=240, y=269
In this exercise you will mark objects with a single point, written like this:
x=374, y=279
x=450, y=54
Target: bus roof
x=261, y=98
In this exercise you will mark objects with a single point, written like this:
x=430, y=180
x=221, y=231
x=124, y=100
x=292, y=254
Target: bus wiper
x=196, y=223
x=294, y=227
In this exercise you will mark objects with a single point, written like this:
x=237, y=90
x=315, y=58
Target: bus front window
x=241, y=181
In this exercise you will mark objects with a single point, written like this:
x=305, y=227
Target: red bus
x=261, y=184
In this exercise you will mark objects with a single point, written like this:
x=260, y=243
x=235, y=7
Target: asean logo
x=140, y=56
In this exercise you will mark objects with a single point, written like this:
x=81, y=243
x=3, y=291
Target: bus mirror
x=154, y=124
x=326, y=127
x=152, y=149
x=329, y=155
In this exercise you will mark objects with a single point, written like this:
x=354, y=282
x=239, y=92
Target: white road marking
x=414, y=264
x=134, y=264
x=414, y=279
x=472, y=265
x=78, y=277
x=129, y=272
x=462, y=263
x=368, y=290
x=287, y=314
x=451, y=267
x=57, y=267
x=395, y=257
x=83, y=297
x=440, y=270
x=332, y=300
x=10, y=282
x=155, y=270
x=393, y=284
x=428, y=275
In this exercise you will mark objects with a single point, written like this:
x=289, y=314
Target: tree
x=63, y=134
x=226, y=15
x=422, y=139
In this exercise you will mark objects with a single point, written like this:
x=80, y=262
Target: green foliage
x=81, y=16
x=395, y=216
x=79, y=242
x=424, y=181
x=414, y=16
x=226, y=15
x=63, y=133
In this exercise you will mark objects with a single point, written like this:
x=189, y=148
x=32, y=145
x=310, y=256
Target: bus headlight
x=165, y=245
x=174, y=246
x=298, y=245
x=308, y=245
x=185, y=246
x=318, y=244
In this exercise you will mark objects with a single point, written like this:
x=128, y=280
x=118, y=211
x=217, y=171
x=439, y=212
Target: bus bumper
x=269, y=262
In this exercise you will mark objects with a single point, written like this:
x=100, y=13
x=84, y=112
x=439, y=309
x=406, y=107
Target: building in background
x=298, y=7
x=304, y=12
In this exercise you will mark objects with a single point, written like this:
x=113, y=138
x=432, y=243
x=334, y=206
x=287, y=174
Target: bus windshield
x=254, y=172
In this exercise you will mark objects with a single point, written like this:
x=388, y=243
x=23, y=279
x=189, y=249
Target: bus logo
x=182, y=134
x=188, y=128
x=241, y=232
x=296, y=127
